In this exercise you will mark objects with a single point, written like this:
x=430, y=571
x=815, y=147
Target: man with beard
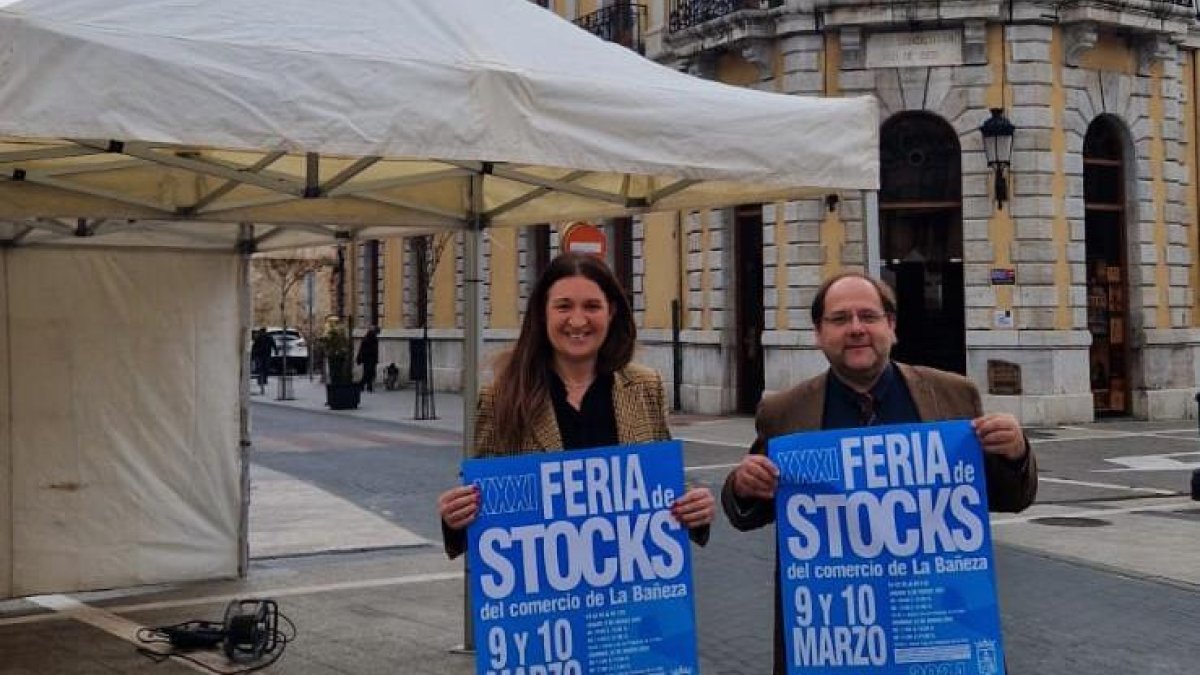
x=854, y=317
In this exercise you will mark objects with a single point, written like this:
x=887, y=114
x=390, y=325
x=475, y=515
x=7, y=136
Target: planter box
x=342, y=396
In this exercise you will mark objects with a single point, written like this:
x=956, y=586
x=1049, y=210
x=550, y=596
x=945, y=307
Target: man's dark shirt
x=889, y=402
x=594, y=425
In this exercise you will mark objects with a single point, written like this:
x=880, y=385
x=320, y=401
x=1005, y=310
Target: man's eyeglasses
x=867, y=317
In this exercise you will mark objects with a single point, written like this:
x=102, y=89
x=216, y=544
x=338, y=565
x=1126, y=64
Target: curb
x=349, y=415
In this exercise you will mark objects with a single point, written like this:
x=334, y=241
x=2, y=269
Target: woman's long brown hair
x=522, y=382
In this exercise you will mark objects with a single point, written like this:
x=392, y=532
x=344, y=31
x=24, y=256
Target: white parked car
x=290, y=345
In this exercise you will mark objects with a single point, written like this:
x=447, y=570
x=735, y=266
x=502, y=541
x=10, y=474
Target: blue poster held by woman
x=578, y=565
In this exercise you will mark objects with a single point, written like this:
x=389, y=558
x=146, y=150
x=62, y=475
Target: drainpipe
x=677, y=311
x=677, y=352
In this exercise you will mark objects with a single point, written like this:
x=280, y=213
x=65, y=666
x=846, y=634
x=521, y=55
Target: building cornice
x=1157, y=25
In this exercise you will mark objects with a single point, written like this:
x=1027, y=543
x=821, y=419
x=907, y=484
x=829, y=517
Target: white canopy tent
x=148, y=146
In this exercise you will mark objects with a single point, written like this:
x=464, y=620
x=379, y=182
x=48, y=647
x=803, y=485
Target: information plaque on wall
x=1004, y=276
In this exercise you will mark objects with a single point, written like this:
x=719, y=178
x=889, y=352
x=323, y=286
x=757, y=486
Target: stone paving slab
x=290, y=517
x=394, y=612
x=1156, y=538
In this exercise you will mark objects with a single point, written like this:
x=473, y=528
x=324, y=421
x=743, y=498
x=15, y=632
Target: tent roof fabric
x=375, y=115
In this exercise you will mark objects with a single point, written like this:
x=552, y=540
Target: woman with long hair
x=569, y=383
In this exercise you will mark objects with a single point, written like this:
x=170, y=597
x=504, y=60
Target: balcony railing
x=622, y=23
x=687, y=13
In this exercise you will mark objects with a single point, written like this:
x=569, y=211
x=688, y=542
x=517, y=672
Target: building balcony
x=697, y=30
x=622, y=22
x=1134, y=17
x=1139, y=17
x=685, y=14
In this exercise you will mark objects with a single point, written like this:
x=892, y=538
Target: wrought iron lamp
x=997, y=134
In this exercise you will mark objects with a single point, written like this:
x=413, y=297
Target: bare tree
x=285, y=274
x=429, y=250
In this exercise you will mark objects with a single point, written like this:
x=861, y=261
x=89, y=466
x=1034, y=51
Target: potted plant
x=341, y=393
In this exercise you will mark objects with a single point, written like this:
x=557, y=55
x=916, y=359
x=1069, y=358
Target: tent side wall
x=5, y=438
x=125, y=366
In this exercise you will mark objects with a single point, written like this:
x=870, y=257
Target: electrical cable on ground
x=249, y=634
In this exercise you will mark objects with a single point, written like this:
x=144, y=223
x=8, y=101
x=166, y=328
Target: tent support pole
x=245, y=302
x=8, y=500
x=472, y=346
x=870, y=209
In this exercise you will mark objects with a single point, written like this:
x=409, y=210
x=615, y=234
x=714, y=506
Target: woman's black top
x=594, y=425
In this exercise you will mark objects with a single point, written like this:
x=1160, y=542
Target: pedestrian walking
x=368, y=358
x=262, y=348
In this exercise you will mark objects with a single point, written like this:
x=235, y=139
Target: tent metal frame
x=80, y=168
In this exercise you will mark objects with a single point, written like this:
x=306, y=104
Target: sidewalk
x=379, y=405
x=399, y=406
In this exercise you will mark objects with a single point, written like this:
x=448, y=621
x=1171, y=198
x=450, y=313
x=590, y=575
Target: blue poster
x=886, y=552
x=577, y=566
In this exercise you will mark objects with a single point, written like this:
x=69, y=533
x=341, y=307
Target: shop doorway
x=748, y=284
x=920, y=217
x=1107, y=268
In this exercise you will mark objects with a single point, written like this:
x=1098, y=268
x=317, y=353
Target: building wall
x=1051, y=96
x=1052, y=78
x=502, y=279
x=393, y=285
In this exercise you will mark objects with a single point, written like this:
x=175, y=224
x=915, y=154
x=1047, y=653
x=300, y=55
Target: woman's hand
x=695, y=508
x=458, y=506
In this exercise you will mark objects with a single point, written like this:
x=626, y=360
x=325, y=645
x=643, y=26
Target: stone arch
x=921, y=237
x=1112, y=270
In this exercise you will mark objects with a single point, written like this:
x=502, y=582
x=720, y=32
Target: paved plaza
x=1102, y=576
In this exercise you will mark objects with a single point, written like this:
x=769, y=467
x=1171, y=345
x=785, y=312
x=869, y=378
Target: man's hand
x=756, y=477
x=1000, y=434
x=695, y=508
x=458, y=506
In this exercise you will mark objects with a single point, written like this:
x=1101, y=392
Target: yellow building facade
x=1063, y=283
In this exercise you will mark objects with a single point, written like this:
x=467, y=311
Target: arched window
x=1107, y=269
x=920, y=161
x=920, y=216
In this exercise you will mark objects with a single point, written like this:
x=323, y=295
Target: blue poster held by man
x=886, y=553
x=577, y=565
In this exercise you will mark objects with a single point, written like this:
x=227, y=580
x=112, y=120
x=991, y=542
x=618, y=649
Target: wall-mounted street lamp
x=997, y=134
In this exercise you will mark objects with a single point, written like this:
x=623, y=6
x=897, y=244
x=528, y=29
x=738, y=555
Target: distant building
x=1068, y=294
